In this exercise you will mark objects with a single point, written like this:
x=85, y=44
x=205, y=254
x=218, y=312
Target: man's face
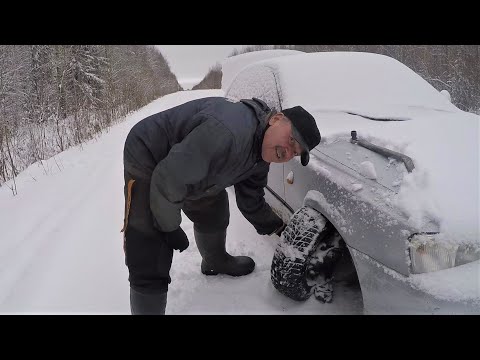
x=278, y=145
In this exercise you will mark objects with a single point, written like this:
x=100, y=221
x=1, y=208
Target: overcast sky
x=190, y=63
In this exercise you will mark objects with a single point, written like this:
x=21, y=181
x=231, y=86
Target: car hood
x=444, y=146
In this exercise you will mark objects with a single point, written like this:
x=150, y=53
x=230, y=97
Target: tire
x=299, y=241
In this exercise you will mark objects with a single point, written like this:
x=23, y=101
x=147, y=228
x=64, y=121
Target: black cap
x=304, y=129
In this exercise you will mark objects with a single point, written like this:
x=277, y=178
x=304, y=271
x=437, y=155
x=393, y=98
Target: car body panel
x=388, y=172
x=275, y=179
x=386, y=292
x=363, y=218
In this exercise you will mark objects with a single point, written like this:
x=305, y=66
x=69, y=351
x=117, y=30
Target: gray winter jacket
x=198, y=149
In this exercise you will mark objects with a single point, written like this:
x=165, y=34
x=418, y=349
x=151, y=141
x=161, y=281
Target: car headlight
x=426, y=255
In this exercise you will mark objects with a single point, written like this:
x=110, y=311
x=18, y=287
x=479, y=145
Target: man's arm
x=188, y=162
x=251, y=202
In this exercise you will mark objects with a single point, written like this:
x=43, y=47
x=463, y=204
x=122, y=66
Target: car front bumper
x=385, y=291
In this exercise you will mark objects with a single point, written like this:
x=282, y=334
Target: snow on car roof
x=353, y=81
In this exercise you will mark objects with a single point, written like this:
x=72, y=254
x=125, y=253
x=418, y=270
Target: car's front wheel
x=291, y=262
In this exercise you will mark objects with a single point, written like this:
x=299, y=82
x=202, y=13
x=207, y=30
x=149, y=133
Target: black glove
x=279, y=230
x=177, y=239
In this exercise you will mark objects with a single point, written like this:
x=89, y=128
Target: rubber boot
x=147, y=304
x=216, y=260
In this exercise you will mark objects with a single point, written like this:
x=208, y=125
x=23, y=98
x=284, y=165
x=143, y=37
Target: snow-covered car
x=394, y=178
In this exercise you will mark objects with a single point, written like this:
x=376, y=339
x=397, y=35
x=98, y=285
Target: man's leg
x=147, y=256
x=210, y=216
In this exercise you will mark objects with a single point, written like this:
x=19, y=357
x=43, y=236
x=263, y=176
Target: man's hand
x=177, y=239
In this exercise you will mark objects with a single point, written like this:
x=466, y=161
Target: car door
x=276, y=181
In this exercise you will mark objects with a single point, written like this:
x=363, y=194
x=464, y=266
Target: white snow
x=290, y=177
x=319, y=169
x=446, y=94
x=446, y=284
x=61, y=246
x=367, y=169
x=357, y=187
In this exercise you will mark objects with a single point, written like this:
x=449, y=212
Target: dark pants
x=147, y=256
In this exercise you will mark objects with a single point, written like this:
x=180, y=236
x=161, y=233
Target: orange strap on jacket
x=129, y=201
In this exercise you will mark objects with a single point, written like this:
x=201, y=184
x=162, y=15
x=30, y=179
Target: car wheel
x=298, y=243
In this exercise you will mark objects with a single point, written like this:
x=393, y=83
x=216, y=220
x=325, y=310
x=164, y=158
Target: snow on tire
x=297, y=244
